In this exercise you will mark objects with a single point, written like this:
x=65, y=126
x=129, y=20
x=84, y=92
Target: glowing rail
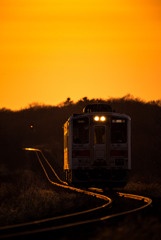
x=33, y=227
x=65, y=183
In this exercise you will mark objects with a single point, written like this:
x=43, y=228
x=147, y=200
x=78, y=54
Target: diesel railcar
x=97, y=148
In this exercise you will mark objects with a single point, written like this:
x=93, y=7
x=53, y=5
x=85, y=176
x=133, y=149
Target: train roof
x=114, y=114
x=97, y=108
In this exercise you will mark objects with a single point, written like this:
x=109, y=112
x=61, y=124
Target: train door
x=99, y=145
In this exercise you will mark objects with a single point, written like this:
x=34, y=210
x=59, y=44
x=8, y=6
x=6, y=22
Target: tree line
x=41, y=126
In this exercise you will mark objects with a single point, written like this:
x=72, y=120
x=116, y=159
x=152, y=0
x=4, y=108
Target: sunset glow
x=54, y=49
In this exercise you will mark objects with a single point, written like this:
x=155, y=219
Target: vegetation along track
x=69, y=220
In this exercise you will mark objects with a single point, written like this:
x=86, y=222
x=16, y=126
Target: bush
x=25, y=197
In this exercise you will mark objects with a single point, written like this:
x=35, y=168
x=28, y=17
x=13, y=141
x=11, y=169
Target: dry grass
x=137, y=228
x=145, y=189
x=24, y=197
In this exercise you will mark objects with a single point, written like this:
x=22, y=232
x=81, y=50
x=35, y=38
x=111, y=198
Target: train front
x=97, y=148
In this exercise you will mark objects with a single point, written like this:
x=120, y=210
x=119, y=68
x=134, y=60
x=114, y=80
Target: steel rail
x=65, y=183
x=18, y=227
x=24, y=231
x=73, y=188
x=53, y=169
x=126, y=195
x=132, y=196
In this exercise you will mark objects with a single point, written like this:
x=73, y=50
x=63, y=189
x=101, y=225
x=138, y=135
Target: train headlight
x=103, y=118
x=96, y=118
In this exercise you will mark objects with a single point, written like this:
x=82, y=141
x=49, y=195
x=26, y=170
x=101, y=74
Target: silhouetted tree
x=16, y=131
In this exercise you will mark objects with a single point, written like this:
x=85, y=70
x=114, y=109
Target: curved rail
x=65, y=183
x=38, y=150
x=126, y=195
x=34, y=227
x=132, y=196
x=147, y=200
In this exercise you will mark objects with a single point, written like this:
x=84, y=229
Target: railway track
x=91, y=216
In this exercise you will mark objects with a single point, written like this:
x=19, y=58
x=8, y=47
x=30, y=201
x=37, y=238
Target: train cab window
x=99, y=134
x=119, y=130
x=81, y=130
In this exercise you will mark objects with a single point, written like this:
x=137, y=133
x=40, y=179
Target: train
x=97, y=148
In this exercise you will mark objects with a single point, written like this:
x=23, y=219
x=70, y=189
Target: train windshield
x=99, y=135
x=119, y=130
x=81, y=130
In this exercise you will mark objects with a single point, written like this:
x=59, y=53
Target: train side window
x=81, y=130
x=99, y=134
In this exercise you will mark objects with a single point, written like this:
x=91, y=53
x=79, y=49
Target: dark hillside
x=41, y=126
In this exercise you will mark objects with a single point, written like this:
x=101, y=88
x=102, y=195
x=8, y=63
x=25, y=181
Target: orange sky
x=54, y=49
